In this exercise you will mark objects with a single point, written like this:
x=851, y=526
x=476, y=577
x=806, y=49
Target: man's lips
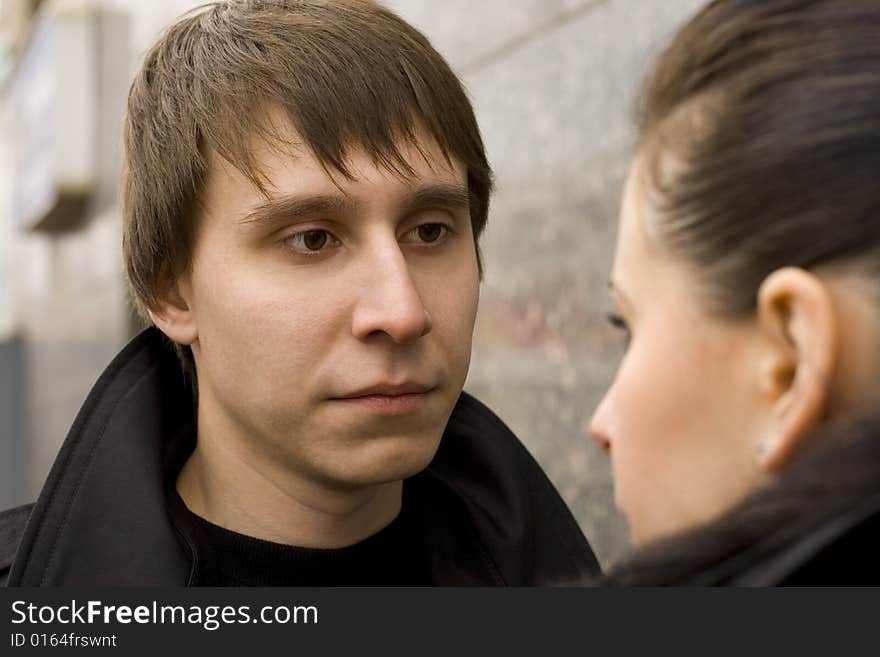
x=388, y=390
x=388, y=399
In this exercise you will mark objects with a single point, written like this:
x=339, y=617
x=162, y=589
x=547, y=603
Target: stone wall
x=553, y=83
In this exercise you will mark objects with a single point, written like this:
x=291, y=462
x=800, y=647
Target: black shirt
x=483, y=512
x=394, y=556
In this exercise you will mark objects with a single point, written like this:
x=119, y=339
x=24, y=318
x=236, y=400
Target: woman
x=743, y=422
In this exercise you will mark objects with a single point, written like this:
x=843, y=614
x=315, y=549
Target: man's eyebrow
x=443, y=195
x=292, y=208
x=297, y=207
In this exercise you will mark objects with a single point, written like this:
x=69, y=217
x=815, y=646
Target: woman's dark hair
x=769, y=111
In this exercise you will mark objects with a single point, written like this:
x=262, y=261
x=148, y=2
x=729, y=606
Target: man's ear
x=796, y=315
x=174, y=314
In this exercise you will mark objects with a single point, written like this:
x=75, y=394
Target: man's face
x=334, y=321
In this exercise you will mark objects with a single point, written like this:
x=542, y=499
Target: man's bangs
x=344, y=117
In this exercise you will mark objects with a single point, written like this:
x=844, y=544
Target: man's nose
x=390, y=303
x=600, y=424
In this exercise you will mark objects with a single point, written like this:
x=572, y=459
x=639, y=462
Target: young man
x=305, y=186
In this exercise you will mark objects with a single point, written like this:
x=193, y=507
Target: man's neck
x=236, y=496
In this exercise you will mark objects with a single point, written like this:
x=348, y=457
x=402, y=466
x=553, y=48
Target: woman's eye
x=620, y=324
x=311, y=241
x=617, y=322
x=428, y=233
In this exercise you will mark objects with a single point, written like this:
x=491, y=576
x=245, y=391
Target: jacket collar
x=784, y=529
x=101, y=519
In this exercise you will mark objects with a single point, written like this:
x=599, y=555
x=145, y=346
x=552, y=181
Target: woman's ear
x=174, y=314
x=797, y=317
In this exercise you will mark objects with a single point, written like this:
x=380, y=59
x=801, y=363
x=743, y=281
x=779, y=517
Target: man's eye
x=428, y=233
x=311, y=241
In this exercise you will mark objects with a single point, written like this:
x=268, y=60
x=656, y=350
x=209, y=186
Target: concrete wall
x=63, y=297
x=553, y=83
x=12, y=420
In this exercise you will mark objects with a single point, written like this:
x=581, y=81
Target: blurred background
x=553, y=83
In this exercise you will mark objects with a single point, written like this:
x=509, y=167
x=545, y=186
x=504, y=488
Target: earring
x=762, y=447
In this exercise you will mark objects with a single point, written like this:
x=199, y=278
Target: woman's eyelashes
x=619, y=324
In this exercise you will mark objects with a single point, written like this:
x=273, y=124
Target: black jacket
x=491, y=515
x=817, y=525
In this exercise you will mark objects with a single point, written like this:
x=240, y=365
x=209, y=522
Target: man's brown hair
x=347, y=73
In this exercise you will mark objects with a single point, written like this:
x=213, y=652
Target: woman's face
x=681, y=418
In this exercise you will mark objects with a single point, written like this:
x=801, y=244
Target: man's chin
x=387, y=459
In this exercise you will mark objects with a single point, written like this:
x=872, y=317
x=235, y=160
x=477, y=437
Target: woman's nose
x=599, y=426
